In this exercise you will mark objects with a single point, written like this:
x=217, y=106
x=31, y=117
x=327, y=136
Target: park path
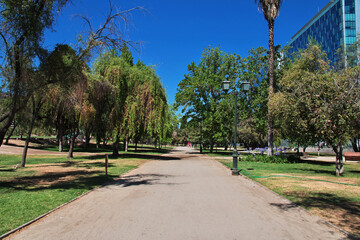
x=183, y=195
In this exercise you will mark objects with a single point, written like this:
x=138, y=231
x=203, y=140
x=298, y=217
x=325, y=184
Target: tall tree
x=317, y=103
x=62, y=69
x=270, y=8
x=22, y=27
x=200, y=93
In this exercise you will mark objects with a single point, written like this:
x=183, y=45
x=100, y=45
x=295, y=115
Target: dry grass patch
x=332, y=202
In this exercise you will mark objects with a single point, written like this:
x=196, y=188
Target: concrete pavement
x=184, y=197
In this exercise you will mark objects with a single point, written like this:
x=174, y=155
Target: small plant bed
x=50, y=181
x=313, y=186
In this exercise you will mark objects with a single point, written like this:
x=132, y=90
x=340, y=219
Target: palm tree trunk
x=271, y=89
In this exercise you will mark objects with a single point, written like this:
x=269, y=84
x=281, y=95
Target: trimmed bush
x=270, y=159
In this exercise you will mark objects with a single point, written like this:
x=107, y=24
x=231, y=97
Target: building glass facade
x=336, y=25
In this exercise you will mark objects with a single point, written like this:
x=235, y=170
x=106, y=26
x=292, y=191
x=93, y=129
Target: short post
x=106, y=164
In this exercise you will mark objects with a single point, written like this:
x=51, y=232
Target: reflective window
x=328, y=29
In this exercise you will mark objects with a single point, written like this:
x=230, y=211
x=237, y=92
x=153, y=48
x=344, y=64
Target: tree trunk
x=11, y=133
x=354, y=144
x=98, y=140
x=87, y=140
x=211, y=147
x=298, y=150
x=72, y=144
x=26, y=145
x=304, y=149
x=339, y=160
x=271, y=88
x=126, y=144
x=36, y=108
x=116, y=145
x=61, y=144
x=5, y=127
x=60, y=138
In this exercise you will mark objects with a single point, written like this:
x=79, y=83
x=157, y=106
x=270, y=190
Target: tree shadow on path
x=142, y=179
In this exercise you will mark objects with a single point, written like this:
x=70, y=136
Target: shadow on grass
x=47, y=180
x=94, y=165
x=321, y=163
x=84, y=180
x=347, y=212
x=7, y=170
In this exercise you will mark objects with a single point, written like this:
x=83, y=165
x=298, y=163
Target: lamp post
x=245, y=86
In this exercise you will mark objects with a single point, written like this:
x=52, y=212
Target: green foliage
x=209, y=111
x=22, y=25
x=200, y=94
x=270, y=159
x=65, y=95
x=317, y=103
x=129, y=100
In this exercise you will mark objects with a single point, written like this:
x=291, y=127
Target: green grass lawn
x=314, y=186
x=49, y=181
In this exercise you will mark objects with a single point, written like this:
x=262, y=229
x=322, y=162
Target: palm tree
x=270, y=8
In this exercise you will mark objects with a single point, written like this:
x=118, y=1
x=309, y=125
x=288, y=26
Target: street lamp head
x=245, y=86
x=225, y=85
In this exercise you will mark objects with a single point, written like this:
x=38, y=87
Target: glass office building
x=336, y=25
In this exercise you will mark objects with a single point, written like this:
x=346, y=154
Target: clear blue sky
x=175, y=32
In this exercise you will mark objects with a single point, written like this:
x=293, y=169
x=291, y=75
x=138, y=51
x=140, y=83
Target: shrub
x=270, y=159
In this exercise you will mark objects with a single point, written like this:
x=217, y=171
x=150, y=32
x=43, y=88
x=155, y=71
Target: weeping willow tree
x=147, y=110
x=129, y=100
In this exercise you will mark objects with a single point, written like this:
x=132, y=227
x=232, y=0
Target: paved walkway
x=183, y=196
